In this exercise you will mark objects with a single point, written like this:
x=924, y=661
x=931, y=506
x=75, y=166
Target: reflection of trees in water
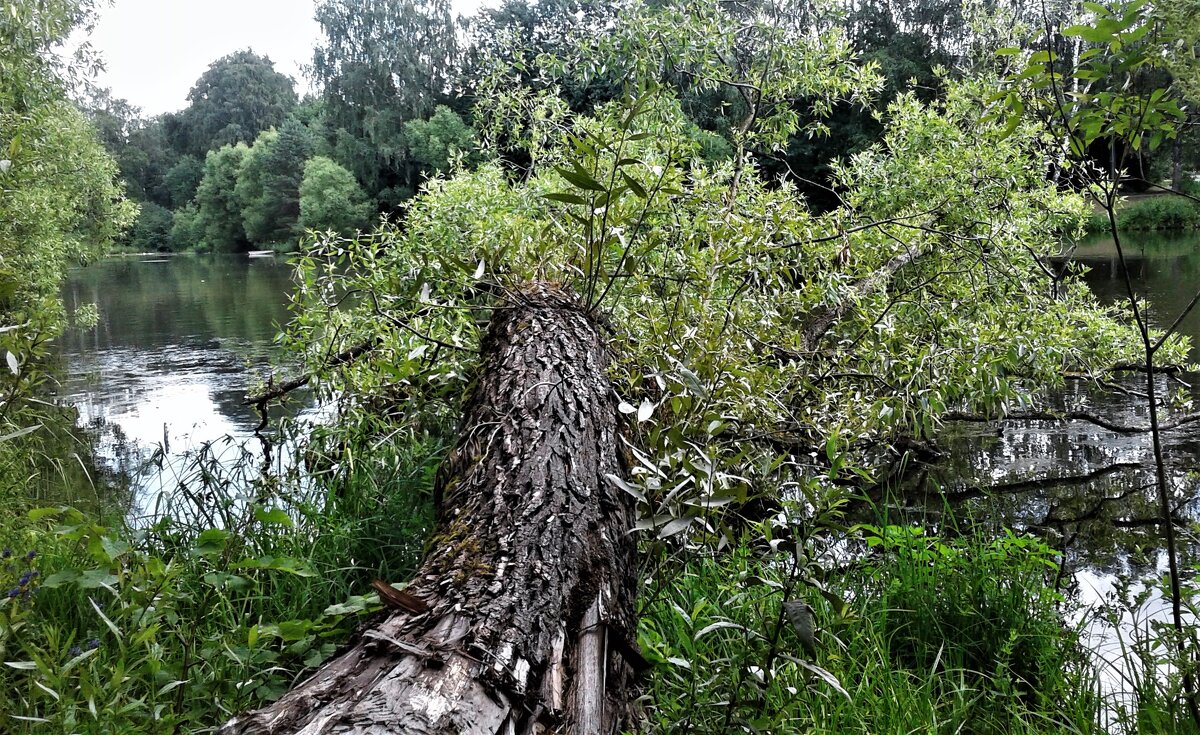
x=151, y=304
x=1165, y=268
x=1085, y=489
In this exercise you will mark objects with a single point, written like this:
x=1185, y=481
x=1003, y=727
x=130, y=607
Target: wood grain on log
x=531, y=574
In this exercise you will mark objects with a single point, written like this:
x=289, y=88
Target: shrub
x=922, y=635
x=152, y=230
x=1154, y=213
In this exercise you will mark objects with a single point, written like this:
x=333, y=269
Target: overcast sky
x=154, y=50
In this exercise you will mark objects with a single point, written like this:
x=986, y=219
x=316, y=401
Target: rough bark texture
x=530, y=579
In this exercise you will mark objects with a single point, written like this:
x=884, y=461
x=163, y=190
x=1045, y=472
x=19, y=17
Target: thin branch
x=1074, y=416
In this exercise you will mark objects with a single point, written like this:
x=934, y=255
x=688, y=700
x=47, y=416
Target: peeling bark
x=530, y=579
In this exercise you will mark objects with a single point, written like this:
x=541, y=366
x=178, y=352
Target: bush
x=922, y=635
x=1154, y=213
x=152, y=230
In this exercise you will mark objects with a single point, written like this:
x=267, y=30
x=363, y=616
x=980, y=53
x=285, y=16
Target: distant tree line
x=246, y=164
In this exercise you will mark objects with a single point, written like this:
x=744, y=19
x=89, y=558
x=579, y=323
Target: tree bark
x=524, y=619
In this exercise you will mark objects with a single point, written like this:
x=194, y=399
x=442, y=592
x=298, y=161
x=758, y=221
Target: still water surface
x=179, y=342
x=181, y=339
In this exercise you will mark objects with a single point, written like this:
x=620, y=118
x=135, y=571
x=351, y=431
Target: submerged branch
x=1021, y=486
x=1090, y=418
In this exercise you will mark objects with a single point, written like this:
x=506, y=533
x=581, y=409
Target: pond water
x=1087, y=490
x=181, y=339
x=179, y=342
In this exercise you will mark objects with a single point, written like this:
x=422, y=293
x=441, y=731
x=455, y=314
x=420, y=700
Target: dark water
x=179, y=342
x=1102, y=505
x=1164, y=268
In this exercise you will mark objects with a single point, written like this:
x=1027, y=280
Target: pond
x=181, y=339
x=179, y=342
x=1012, y=466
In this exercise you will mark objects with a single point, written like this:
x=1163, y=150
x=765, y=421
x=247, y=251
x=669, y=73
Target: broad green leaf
x=580, y=179
x=566, y=198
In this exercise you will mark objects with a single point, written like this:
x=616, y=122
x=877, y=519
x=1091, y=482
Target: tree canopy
x=59, y=201
x=330, y=198
x=268, y=183
x=238, y=97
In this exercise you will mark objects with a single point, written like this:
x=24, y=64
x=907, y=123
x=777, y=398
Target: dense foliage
x=775, y=349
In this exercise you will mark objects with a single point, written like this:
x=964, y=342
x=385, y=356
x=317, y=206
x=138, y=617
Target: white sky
x=154, y=50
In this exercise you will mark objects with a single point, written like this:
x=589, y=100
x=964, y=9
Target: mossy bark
x=530, y=581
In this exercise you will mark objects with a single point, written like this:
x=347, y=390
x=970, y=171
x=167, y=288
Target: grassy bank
x=1165, y=212
x=921, y=634
x=173, y=627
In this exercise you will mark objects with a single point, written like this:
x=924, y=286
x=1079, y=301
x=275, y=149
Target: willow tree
x=634, y=339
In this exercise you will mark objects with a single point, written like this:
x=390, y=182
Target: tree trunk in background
x=525, y=609
x=1177, y=163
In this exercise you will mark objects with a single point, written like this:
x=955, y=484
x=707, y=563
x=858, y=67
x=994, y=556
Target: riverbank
x=1150, y=213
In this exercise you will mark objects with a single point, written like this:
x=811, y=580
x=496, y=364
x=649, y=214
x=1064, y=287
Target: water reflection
x=1089, y=490
x=179, y=342
x=1077, y=481
x=1165, y=268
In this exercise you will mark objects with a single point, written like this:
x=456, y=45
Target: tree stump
x=522, y=615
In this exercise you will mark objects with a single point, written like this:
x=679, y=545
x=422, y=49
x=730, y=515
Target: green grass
x=225, y=601
x=1155, y=213
x=920, y=635
x=218, y=606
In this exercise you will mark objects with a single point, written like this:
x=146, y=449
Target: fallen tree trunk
x=521, y=618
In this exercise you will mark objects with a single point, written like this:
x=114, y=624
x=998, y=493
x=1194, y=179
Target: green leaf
x=221, y=580
x=58, y=579
x=294, y=630
x=273, y=517
x=21, y=665
x=566, y=198
x=20, y=433
x=96, y=578
x=800, y=615
x=634, y=186
x=580, y=179
x=676, y=526
x=114, y=547
x=38, y=514
x=211, y=542
x=355, y=604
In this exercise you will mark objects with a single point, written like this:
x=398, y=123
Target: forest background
x=816, y=230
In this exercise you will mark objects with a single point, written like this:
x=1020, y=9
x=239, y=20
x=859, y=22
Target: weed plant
x=925, y=635
x=219, y=604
